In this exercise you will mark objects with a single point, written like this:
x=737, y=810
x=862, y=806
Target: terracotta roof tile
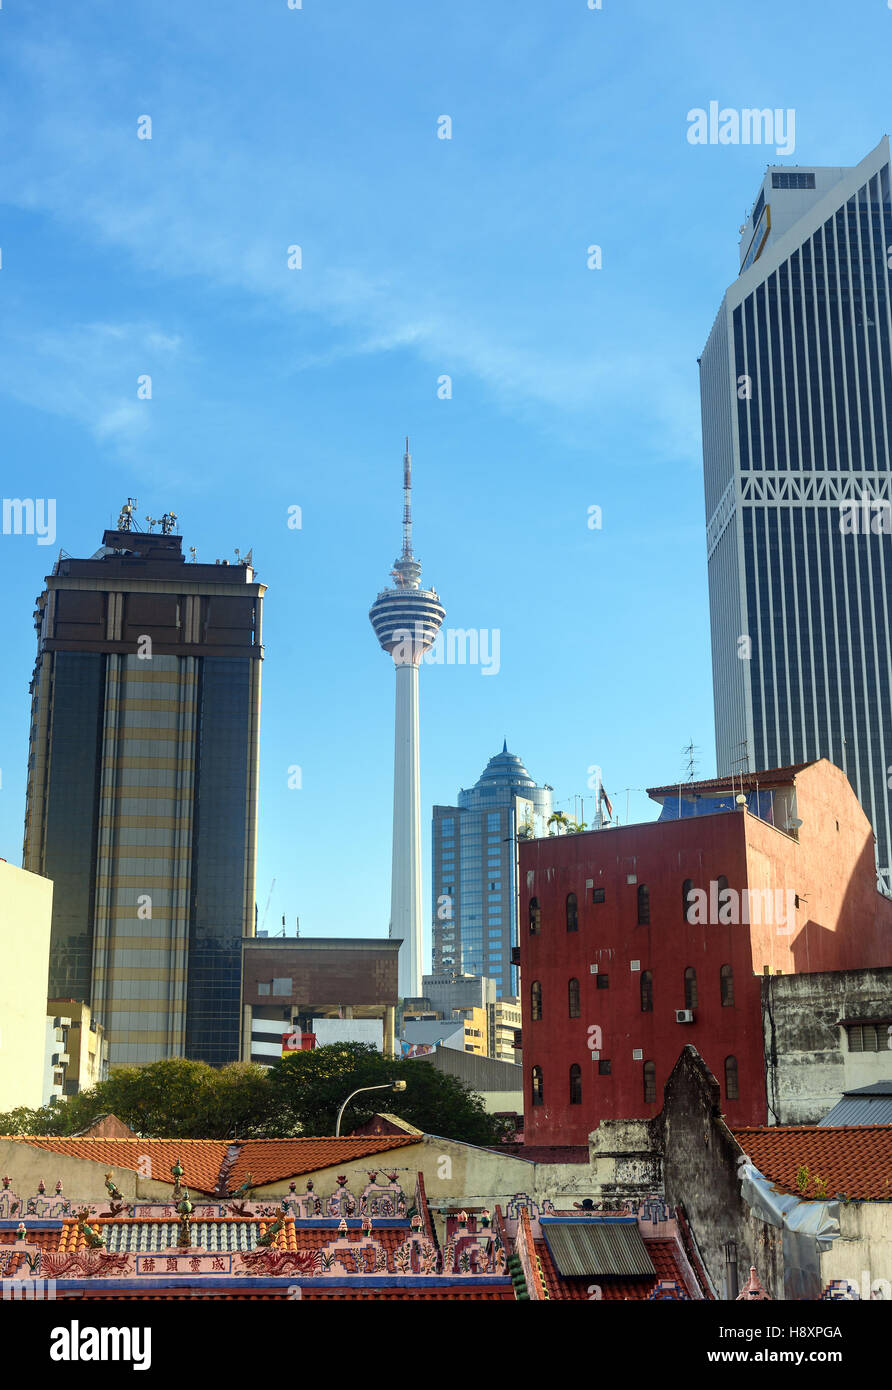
x=851, y=1159
x=201, y=1158
x=269, y=1160
x=272, y=1160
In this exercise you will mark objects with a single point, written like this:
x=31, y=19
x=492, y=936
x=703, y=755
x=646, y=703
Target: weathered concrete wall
x=808, y=1063
x=626, y=1159
x=862, y=1253
x=700, y=1173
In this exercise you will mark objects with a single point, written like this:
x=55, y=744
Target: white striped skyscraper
x=796, y=394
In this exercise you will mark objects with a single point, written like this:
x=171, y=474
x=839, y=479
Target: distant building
x=142, y=788
x=825, y=1036
x=26, y=902
x=77, y=1049
x=641, y=938
x=331, y=989
x=499, y=1084
x=475, y=870
x=505, y=1022
x=796, y=395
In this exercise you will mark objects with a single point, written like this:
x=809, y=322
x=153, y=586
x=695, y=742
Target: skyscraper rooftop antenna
x=407, y=503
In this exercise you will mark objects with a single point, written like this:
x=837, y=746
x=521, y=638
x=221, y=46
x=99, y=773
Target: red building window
x=726, y=982
x=687, y=889
x=575, y=1085
x=535, y=917
x=573, y=997
x=650, y=1083
x=643, y=905
x=732, y=1091
x=572, y=913
x=690, y=988
x=536, y=1000
x=647, y=992
x=538, y=1094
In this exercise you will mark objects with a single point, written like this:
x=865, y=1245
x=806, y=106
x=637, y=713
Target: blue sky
x=421, y=257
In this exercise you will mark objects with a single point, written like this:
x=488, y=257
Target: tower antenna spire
x=407, y=503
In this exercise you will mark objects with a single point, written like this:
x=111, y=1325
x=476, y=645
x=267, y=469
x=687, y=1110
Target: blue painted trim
x=35, y=1223
x=321, y=1281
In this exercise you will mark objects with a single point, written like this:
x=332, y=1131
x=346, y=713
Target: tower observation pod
x=406, y=619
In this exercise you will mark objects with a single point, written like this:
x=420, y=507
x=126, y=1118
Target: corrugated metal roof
x=600, y=1248
x=856, y=1109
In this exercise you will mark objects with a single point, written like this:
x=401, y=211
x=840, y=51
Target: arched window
x=650, y=1082
x=537, y=1086
x=573, y=997
x=572, y=913
x=687, y=889
x=535, y=917
x=722, y=899
x=536, y=1000
x=575, y=1085
x=726, y=980
x=647, y=992
x=731, y=1089
x=643, y=905
x=690, y=988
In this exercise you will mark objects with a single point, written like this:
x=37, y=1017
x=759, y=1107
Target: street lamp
x=387, y=1086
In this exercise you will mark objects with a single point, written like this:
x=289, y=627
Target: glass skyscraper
x=796, y=394
x=474, y=878
x=142, y=790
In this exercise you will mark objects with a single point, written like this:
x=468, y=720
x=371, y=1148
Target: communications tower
x=406, y=619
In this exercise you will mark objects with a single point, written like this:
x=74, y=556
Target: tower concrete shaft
x=406, y=619
x=405, y=882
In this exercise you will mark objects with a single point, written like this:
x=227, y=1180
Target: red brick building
x=639, y=939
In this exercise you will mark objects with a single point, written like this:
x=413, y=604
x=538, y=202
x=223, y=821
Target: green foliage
x=301, y=1094
x=47, y=1120
x=310, y=1087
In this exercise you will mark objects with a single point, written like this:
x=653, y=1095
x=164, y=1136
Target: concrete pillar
x=389, y=1030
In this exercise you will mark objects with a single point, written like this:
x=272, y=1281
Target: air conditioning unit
x=61, y=1059
x=684, y=1015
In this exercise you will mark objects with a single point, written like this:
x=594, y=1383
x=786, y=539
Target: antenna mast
x=407, y=503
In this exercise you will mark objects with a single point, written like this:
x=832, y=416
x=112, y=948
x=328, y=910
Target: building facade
x=77, y=1049
x=328, y=989
x=641, y=939
x=796, y=394
x=26, y=904
x=142, y=789
x=474, y=880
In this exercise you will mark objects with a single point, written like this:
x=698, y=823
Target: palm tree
x=560, y=820
x=576, y=827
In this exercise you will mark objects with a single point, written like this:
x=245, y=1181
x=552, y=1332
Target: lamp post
x=387, y=1086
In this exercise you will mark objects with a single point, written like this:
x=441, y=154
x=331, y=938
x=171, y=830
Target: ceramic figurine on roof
x=185, y=1209
x=753, y=1288
x=92, y=1234
x=277, y=1226
x=177, y=1170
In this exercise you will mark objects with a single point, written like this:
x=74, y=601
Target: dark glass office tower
x=475, y=870
x=796, y=393
x=142, y=789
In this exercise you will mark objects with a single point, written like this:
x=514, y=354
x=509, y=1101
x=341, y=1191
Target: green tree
x=309, y=1088
x=47, y=1120
x=176, y=1099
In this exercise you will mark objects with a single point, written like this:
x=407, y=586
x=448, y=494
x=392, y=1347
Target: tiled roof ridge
x=692, y=1254
x=525, y=1236
x=808, y=1129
